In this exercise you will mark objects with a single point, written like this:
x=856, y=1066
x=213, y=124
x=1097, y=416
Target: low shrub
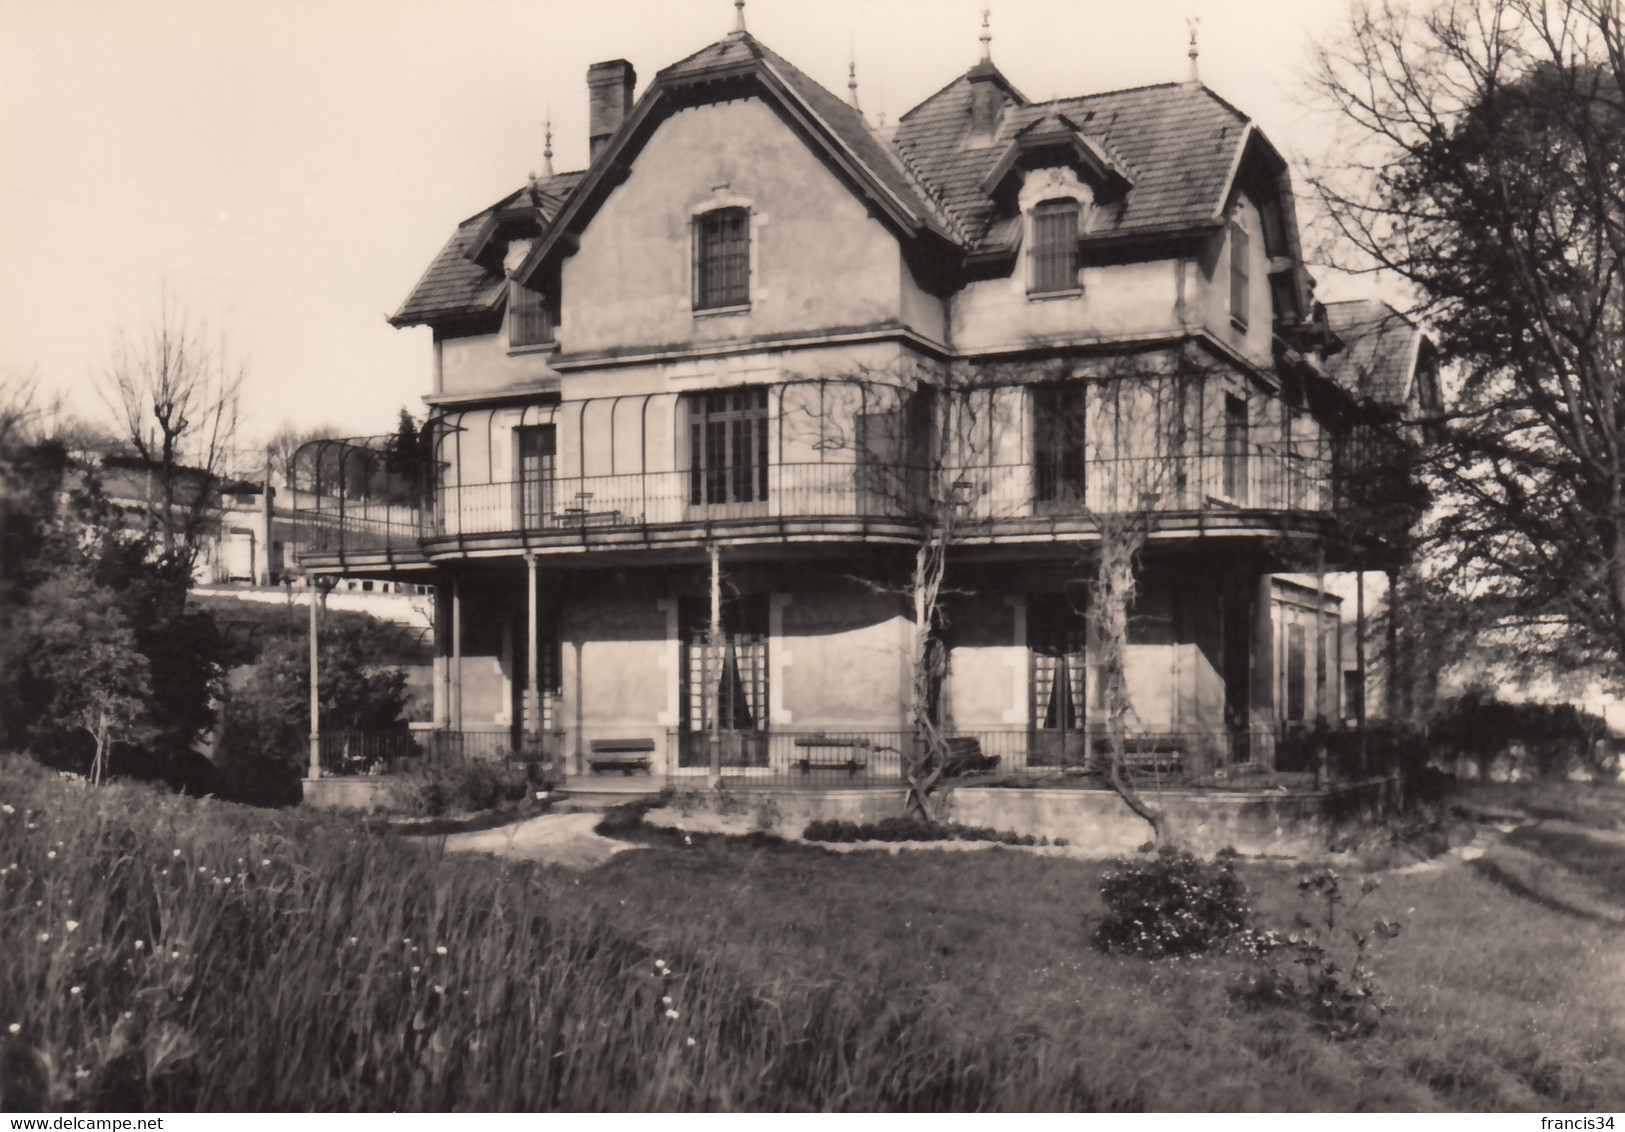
x=1320, y=967
x=912, y=829
x=1172, y=903
x=450, y=786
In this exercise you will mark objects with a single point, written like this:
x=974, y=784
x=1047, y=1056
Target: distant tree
x=283, y=447
x=83, y=657
x=176, y=393
x=1485, y=165
x=265, y=724
x=408, y=458
x=56, y=524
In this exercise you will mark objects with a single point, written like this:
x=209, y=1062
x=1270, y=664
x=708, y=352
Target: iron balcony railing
x=1255, y=480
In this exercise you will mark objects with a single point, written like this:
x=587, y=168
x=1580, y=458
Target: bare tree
x=24, y=413
x=176, y=392
x=1481, y=164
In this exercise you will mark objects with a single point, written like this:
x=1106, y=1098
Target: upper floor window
x=722, y=258
x=1055, y=246
x=727, y=448
x=1240, y=258
x=1058, y=442
x=532, y=316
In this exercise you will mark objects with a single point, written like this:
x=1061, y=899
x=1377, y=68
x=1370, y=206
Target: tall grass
x=226, y=958
x=172, y=955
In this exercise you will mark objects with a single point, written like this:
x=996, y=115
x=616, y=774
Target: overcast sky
x=290, y=167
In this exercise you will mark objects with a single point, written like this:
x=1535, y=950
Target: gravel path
x=556, y=839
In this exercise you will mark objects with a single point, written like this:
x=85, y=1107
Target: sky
x=286, y=169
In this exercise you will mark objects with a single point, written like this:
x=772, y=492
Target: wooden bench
x=580, y=517
x=1160, y=753
x=810, y=761
x=624, y=755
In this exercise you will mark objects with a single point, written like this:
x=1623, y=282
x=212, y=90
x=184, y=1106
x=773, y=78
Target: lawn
x=225, y=958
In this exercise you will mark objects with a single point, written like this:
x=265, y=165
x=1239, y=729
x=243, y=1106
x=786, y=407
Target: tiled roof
x=846, y=124
x=1380, y=350
x=1178, y=144
x=456, y=285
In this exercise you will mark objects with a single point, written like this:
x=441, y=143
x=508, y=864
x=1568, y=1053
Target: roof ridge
x=937, y=213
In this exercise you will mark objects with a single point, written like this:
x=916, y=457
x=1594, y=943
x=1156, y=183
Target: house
x=1389, y=365
x=698, y=407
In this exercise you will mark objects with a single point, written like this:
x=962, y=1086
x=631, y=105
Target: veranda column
x=315, y=689
x=714, y=664
x=533, y=686
x=457, y=655
x=1359, y=659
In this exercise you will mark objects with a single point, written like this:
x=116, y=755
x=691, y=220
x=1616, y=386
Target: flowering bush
x=1174, y=903
x=1336, y=987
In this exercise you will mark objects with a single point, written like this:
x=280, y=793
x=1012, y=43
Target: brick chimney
x=986, y=104
x=609, y=98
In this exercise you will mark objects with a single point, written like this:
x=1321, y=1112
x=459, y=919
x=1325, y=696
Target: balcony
x=1256, y=490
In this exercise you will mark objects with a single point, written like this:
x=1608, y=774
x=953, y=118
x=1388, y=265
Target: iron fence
x=399, y=750
x=827, y=759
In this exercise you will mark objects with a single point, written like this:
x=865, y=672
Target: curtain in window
x=727, y=678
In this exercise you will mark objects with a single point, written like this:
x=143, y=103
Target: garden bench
x=1160, y=753
x=851, y=748
x=581, y=517
x=624, y=755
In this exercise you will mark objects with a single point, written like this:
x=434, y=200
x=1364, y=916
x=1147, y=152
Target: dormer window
x=722, y=258
x=1055, y=246
x=1240, y=253
x=532, y=316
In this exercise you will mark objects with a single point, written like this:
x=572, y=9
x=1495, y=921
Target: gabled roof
x=841, y=131
x=455, y=284
x=1179, y=144
x=847, y=125
x=1381, y=351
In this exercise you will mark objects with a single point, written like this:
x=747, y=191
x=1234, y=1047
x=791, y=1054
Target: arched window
x=1055, y=246
x=722, y=258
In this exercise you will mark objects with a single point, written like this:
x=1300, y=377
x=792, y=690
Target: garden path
x=556, y=839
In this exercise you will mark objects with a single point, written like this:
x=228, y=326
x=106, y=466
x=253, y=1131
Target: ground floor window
x=724, y=682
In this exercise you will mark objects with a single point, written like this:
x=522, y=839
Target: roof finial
x=987, y=36
x=739, y=17
x=852, y=83
x=547, y=147
x=1193, y=22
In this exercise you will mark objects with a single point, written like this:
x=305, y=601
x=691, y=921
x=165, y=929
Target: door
x=537, y=453
x=724, y=682
x=1058, y=636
